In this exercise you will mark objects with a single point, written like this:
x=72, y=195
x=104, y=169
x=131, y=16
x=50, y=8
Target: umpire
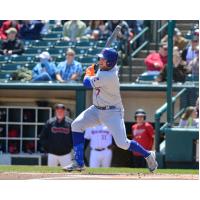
x=56, y=138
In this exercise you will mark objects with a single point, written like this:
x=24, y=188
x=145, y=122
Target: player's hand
x=90, y=71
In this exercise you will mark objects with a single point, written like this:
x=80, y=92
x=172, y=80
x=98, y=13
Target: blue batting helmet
x=110, y=55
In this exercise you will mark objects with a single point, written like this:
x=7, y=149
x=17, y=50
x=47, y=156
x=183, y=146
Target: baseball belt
x=105, y=107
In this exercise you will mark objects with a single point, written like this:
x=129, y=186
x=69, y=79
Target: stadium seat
x=42, y=43
x=85, y=43
x=93, y=52
x=10, y=67
x=4, y=59
x=22, y=59
x=52, y=36
x=191, y=77
x=4, y=76
x=101, y=43
x=146, y=77
x=80, y=51
x=64, y=44
x=58, y=59
x=32, y=51
x=56, y=51
x=88, y=60
x=58, y=29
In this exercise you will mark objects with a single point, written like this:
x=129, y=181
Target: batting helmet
x=140, y=112
x=110, y=55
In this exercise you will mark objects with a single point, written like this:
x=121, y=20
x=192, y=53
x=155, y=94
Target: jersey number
x=103, y=137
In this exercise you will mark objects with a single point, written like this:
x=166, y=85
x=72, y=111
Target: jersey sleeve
x=150, y=130
x=87, y=134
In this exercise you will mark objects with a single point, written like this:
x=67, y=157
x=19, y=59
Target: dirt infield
x=77, y=176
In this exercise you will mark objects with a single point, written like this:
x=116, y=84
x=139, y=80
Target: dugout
x=148, y=96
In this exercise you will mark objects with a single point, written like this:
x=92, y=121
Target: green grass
x=45, y=169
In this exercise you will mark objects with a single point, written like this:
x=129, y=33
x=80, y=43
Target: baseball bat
x=110, y=41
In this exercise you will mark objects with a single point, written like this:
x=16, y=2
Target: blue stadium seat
x=101, y=43
x=56, y=51
x=57, y=29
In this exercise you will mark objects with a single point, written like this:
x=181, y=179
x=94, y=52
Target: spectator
x=7, y=25
x=31, y=30
x=56, y=138
x=95, y=30
x=70, y=69
x=178, y=39
x=155, y=62
x=189, y=53
x=123, y=36
x=193, y=65
x=12, y=45
x=179, y=68
x=45, y=70
x=74, y=30
x=188, y=119
x=143, y=133
x=100, y=144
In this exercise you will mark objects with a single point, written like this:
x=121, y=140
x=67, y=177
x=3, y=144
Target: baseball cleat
x=151, y=161
x=73, y=167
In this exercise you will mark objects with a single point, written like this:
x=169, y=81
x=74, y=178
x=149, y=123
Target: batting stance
x=107, y=109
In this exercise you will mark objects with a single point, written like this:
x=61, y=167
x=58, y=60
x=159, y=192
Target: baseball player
x=100, y=144
x=107, y=109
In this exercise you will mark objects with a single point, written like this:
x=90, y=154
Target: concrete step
x=143, y=53
x=138, y=61
x=135, y=70
x=187, y=21
x=125, y=78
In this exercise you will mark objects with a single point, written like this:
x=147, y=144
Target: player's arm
x=89, y=73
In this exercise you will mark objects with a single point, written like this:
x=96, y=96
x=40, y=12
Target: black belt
x=99, y=149
x=105, y=107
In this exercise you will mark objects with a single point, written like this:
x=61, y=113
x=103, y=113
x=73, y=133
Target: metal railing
x=159, y=33
x=159, y=114
x=138, y=49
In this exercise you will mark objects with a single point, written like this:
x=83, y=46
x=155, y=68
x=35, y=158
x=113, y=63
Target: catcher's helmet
x=110, y=55
x=140, y=112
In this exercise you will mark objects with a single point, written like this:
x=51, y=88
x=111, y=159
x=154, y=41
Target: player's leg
x=94, y=159
x=114, y=120
x=52, y=160
x=87, y=118
x=65, y=160
x=107, y=158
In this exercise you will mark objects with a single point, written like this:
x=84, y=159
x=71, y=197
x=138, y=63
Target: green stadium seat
x=101, y=43
x=80, y=51
x=4, y=59
x=56, y=51
x=22, y=59
x=93, y=52
x=30, y=65
x=32, y=51
x=52, y=36
x=10, y=66
x=57, y=29
x=146, y=77
x=85, y=43
x=88, y=60
x=58, y=59
x=42, y=43
x=64, y=44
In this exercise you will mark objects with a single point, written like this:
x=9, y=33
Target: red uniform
x=155, y=57
x=143, y=134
